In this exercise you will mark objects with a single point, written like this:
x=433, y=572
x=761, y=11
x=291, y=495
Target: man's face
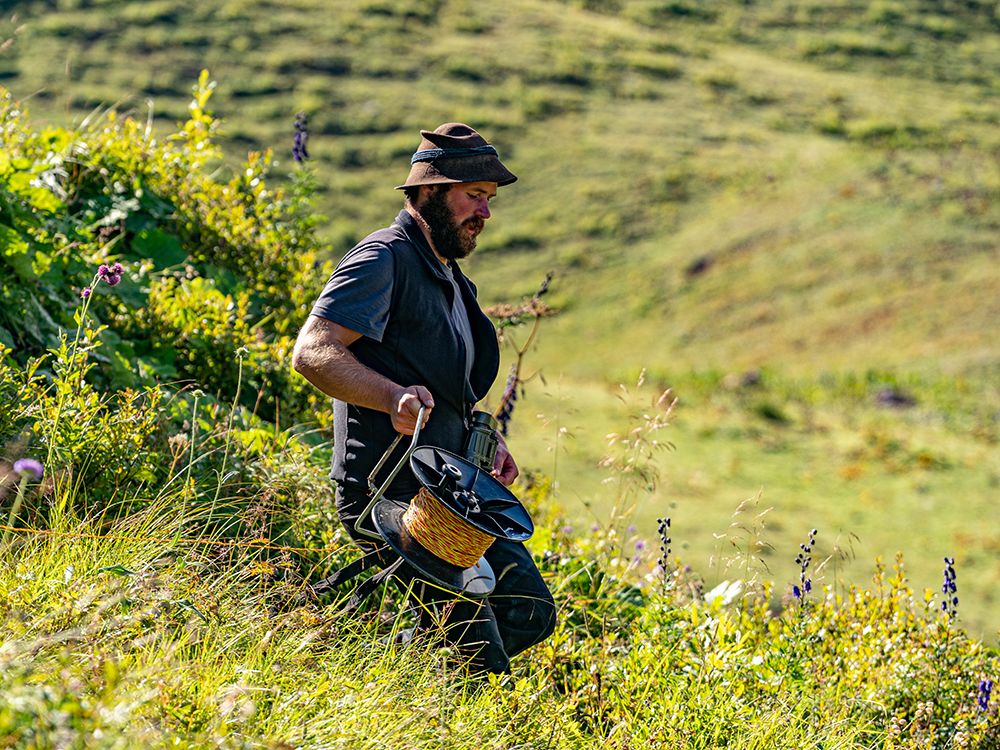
x=456, y=214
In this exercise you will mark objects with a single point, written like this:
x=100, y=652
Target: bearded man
x=398, y=328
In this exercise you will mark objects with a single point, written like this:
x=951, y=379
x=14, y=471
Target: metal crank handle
x=392, y=475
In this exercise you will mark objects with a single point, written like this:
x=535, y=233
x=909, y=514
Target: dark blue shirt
x=392, y=289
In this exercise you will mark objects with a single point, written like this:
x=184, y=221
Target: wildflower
x=631, y=528
x=567, y=529
x=299, y=152
x=86, y=292
x=949, y=589
x=985, y=688
x=29, y=465
x=802, y=560
x=507, y=401
x=664, y=524
x=595, y=527
x=640, y=546
x=112, y=275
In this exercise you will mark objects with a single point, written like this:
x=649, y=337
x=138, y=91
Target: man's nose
x=483, y=209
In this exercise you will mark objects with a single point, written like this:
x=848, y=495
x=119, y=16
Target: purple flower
x=802, y=560
x=567, y=529
x=949, y=588
x=595, y=527
x=299, y=152
x=631, y=528
x=86, y=292
x=985, y=688
x=111, y=275
x=640, y=546
x=26, y=465
x=507, y=401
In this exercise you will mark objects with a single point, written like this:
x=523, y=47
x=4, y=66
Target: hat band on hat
x=431, y=154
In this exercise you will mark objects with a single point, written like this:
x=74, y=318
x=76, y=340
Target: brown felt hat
x=455, y=153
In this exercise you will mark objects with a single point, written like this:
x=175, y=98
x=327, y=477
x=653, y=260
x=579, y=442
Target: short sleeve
x=359, y=292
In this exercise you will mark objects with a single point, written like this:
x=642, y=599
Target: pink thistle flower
x=112, y=275
x=29, y=465
x=86, y=292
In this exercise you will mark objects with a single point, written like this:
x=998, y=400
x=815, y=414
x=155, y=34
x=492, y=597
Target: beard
x=451, y=240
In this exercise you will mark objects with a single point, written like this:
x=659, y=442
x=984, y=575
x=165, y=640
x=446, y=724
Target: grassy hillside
x=808, y=184
x=783, y=211
x=808, y=188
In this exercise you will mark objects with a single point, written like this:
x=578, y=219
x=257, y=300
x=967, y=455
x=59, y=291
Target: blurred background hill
x=786, y=211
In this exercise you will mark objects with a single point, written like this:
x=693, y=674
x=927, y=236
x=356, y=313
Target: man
x=398, y=327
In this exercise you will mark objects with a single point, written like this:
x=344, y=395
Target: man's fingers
x=504, y=468
x=408, y=406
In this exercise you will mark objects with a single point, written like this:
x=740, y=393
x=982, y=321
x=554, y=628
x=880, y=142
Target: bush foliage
x=210, y=266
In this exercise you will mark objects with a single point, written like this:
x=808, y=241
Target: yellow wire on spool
x=443, y=533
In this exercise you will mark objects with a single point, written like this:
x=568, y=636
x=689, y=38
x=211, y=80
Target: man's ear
x=423, y=193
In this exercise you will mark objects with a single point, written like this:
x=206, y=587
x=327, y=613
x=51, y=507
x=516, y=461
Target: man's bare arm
x=322, y=357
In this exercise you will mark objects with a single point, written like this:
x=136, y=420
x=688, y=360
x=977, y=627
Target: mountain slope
x=810, y=185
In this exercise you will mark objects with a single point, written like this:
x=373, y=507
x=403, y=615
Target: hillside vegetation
x=782, y=211
x=717, y=184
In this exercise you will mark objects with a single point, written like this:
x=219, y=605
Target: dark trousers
x=487, y=632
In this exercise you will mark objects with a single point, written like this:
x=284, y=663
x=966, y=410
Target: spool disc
x=472, y=494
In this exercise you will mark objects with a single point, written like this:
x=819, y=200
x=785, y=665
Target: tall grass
x=152, y=630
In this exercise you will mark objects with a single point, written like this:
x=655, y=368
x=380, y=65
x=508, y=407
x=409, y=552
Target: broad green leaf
x=254, y=439
x=160, y=247
x=40, y=198
x=17, y=253
x=186, y=604
x=121, y=370
x=158, y=367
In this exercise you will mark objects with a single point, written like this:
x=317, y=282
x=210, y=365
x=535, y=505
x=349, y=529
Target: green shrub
x=211, y=266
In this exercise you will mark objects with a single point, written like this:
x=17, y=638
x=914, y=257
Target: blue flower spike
x=950, y=589
x=802, y=560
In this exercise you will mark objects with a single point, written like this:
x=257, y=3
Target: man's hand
x=408, y=403
x=504, y=468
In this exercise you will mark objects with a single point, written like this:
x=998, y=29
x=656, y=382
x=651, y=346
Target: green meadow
x=785, y=213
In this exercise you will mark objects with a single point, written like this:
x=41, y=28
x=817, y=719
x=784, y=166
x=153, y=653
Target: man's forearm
x=323, y=357
x=337, y=372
